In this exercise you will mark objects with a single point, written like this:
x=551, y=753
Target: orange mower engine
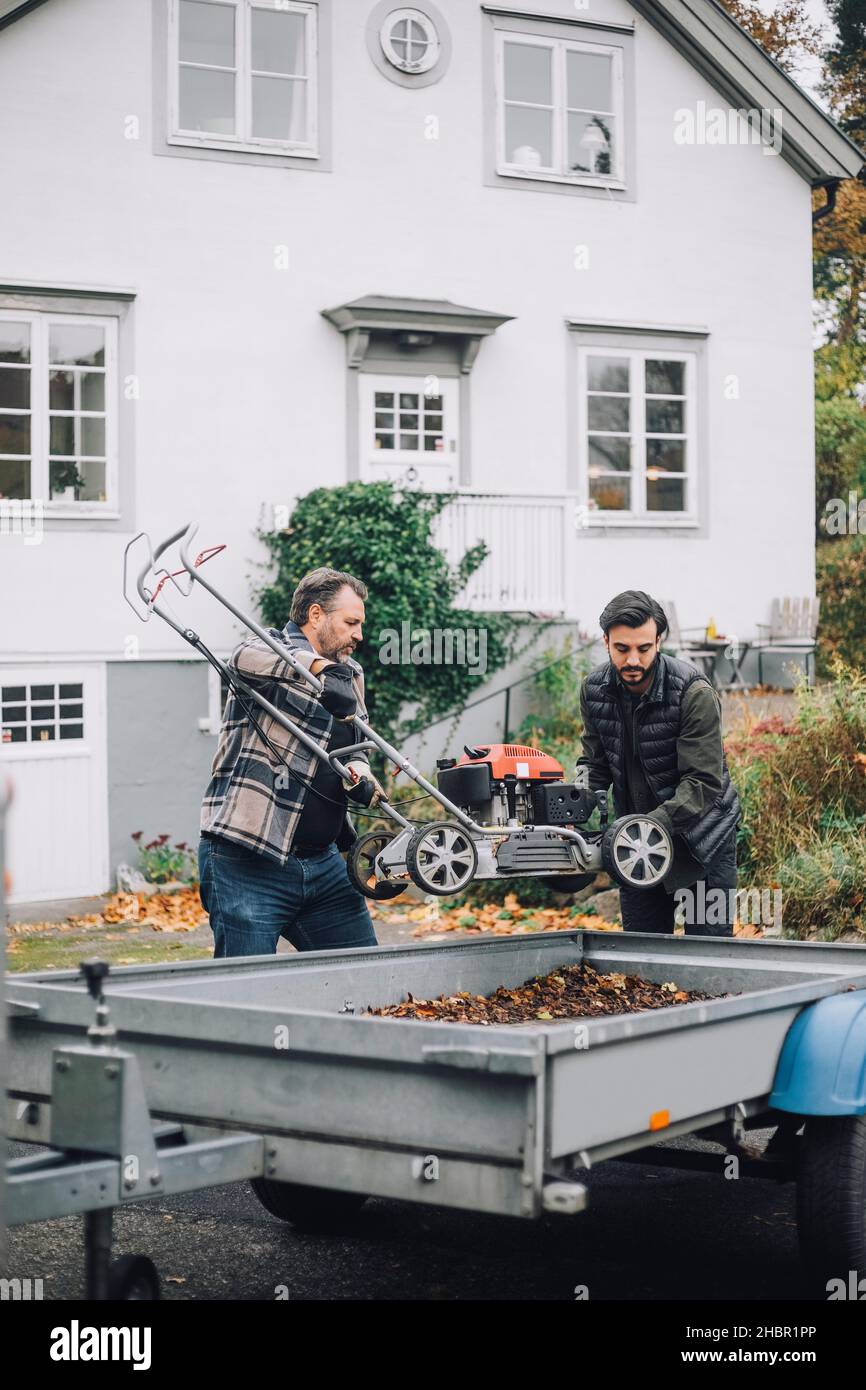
x=498, y=783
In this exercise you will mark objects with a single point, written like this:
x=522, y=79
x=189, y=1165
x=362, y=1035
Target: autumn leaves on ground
x=134, y=929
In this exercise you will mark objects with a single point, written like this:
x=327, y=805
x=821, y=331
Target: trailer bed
x=489, y=1118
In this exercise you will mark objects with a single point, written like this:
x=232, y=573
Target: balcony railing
x=527, y=535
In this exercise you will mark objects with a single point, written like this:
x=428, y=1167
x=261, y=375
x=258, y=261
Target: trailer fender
x=822, y=1065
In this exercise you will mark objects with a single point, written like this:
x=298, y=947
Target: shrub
x=840, y=453
x=162, y=862
x=803, y=790
x=384, y=537
x=841, y=587
x=823, y=886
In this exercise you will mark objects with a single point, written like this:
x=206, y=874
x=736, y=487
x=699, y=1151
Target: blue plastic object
x=822, y=1065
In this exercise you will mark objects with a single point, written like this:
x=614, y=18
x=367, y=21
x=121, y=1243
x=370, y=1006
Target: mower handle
x=152, y=557
x=297, y=666
x=335, y=759
x=187, y=531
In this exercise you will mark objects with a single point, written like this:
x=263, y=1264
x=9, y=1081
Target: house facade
x=250, y=247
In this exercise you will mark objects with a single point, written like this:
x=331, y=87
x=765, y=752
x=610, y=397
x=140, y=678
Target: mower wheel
x=441, y=858
x=637, y=852
x=361, y=867
x=569, y=883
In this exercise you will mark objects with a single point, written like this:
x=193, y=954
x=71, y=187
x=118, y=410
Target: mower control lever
x=344, y=754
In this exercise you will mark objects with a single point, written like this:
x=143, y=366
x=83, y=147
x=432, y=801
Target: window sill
x=641, y=522
x=509, y=171
x=73, y=511
x=270, y=147
x=48, y=749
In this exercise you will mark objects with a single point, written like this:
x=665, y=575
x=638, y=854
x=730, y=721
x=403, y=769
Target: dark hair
x=322, y=586
x=633, y=607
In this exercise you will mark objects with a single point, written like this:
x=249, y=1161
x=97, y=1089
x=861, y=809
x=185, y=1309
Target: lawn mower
x=508, y=810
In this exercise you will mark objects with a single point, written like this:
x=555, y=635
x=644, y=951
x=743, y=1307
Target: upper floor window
x=638, y=435
x=58, y=410
x=244, y=75
x=559, y=109
x=409, y=41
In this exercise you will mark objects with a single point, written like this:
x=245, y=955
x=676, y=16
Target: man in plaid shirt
x=274, y=817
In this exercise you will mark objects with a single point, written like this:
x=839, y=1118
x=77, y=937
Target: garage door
x=54, y=751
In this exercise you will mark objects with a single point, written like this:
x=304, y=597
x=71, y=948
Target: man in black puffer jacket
x=652, y=731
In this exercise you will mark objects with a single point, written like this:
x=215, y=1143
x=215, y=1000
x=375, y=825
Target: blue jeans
x=252, y=901
x=654, y=909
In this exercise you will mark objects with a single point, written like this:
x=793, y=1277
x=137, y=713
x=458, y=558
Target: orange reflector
x=660, y=1119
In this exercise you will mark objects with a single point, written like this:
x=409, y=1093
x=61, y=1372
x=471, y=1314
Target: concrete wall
x=243, y=383
x=158, y=760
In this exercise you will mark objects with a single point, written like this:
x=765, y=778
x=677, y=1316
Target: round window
x=409, y=41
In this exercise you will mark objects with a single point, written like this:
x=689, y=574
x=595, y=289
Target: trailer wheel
x=314, y=1209
x=361, y=867
x=133, y=1279
x=636, y=851
x=831, y=1201
x=441, y=858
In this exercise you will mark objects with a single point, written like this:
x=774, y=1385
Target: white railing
x=527, y=535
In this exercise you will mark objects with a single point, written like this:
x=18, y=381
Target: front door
x=409, y=430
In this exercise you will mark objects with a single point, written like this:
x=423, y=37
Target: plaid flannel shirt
x=244, y=801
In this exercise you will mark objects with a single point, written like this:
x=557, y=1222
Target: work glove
x=338, y=695
x=366, y=791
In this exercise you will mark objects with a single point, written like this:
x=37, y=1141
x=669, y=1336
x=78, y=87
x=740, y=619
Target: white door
x=53, y=749
x=409, y=430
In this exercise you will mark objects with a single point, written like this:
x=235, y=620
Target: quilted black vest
x=657, y=726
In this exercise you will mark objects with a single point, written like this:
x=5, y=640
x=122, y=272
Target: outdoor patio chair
x=792, y=630
x=678, y=643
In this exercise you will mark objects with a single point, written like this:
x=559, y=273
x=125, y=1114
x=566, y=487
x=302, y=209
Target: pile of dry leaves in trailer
x=571, y=991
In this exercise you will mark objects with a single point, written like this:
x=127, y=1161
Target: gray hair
x=322, y=586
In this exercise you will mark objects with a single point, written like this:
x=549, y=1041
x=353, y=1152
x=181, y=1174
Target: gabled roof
x=749, y=79
x=14, y=9
x=732, y=62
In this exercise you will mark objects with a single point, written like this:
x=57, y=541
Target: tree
x=840, y=240
x=786, y=33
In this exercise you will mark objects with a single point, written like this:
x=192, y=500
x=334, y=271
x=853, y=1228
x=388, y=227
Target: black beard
x=647, y=673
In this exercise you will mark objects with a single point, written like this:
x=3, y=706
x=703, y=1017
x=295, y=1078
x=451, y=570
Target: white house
x=252, y=246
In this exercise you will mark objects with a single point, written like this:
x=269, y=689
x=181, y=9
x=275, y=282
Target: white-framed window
x=58, y=411
x=243, y=75
x=41, y=712
x=409, y=430
x=409, y=40
x=559, y=109
x=638, y=434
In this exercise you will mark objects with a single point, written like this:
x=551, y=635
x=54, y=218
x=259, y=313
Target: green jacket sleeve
x=699, y=759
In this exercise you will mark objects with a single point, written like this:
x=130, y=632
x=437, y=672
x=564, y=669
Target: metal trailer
x=267, y=1069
